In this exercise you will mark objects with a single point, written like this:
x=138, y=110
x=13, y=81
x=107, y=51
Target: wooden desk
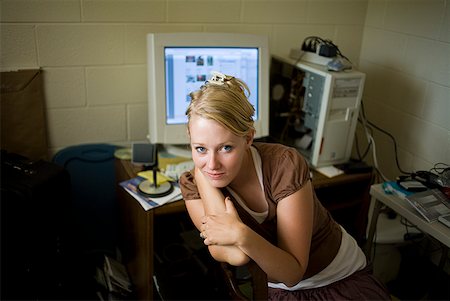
x=346, y=196
x=136, y=231
x=436, y=229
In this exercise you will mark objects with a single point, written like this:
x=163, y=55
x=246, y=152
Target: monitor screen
x=187, y=69
x=180, y=63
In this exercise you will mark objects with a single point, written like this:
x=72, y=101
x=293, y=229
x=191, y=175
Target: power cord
x=437, y=177
x=323, y=47
x=362, y=156
x=440, y=168
x=390, y=136
x=371, y=143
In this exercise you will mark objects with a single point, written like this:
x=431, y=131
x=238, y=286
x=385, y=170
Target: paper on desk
x=148, y=174
x=155, y=202
x=330, y=171
x=148, y=203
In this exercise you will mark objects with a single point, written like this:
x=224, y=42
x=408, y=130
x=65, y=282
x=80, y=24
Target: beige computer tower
x=327, y=110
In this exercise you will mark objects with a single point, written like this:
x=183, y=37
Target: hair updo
x=225, y=102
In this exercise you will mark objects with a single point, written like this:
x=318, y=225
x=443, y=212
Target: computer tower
x=315, y=110
x=35, y=230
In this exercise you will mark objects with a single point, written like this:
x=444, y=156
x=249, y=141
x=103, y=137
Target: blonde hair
x=226, y=103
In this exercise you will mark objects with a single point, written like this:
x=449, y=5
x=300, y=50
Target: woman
x=255, y=201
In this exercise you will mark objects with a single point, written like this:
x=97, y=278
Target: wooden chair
x=258, y=280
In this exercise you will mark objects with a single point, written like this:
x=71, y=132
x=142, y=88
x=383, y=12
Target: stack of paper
x=131, y=186
x=430, y=204
x=114, y=279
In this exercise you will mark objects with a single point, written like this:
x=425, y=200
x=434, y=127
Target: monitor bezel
x=176, y=134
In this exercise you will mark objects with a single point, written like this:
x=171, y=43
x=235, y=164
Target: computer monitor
x=179, y=63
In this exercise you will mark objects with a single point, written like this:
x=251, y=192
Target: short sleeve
x=289, y=173
x=188, y=186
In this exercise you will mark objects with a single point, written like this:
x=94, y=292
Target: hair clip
x=217, y=78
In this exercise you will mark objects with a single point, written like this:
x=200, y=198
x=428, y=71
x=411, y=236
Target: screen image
x=187, y=69
x=180, y=63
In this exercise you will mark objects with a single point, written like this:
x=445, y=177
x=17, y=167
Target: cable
x=358, y=151
x=312, y=42
x=375, y=160
x=299, y=58
x=389, y=135
x=440, y=167
x=371, y=141
x=395, y=147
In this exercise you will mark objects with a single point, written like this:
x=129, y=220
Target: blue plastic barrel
x=94, y=208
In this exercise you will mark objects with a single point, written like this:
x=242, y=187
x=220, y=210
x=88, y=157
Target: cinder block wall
x=406, y=56
x=93, y=52
x=93, y=56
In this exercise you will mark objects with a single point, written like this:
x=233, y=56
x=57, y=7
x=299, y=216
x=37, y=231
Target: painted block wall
x=93, y=56
x=93, y=52
x=406, y=56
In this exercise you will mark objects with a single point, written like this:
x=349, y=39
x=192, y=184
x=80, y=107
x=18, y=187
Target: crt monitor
x=179, y=63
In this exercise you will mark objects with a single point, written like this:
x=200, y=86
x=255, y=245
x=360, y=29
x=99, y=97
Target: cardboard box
x=23, y=119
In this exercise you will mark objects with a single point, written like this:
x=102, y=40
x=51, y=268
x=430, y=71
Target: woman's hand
x=224, y=228
x=212, y=204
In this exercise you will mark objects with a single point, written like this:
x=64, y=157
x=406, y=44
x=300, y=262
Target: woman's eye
x=200, y=149
x=227, y=148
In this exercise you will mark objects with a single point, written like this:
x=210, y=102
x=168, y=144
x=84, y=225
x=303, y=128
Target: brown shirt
x=284, y=172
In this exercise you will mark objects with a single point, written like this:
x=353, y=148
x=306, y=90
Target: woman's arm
x=212, y=203
x=213, y=199
x=286, y=262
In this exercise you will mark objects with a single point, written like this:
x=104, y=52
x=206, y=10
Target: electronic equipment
x=37, y=258
x=175, y=171
x=180, y=63
x=411, y=185
x=146, y=154
x=445, y=219
x=315, y=110
x=428, y=178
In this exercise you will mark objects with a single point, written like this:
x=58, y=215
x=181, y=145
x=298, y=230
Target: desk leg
x=372, y=228
x=444, y=256
x=137, y=244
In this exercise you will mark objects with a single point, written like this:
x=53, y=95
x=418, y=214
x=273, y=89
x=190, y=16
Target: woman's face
x=216, y=151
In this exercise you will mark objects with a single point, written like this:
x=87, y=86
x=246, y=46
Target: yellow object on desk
x=164, y=161
x=148, y=174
